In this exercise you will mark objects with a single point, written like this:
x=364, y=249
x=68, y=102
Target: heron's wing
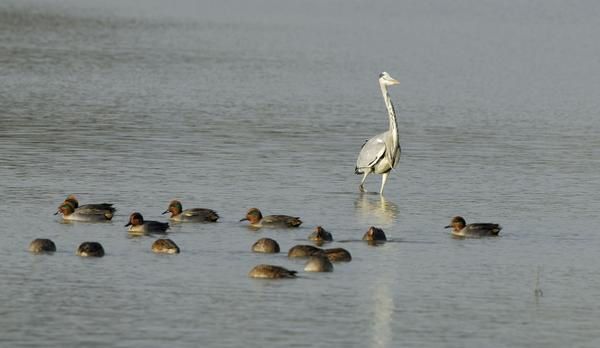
x=372, y=152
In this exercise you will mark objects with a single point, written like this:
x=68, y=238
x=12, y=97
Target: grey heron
x=381, y=153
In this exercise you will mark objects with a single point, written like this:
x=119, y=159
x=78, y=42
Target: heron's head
x=457, y=223
x=386, y=80
x=135, y=219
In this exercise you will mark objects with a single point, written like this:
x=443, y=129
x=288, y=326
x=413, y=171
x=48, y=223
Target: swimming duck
x=304, y=251
x=338, y=255
x=138, y=225
x=165, y=246
x=84, y=213
x=265, y=245
x=318, y=263
x=38, y=246
x=90, y=249
x=71, y=199
x=271, y=272
x=461, y=229
x=190, y=215
x=374, y=234
x=256, y=219
x=320, y=235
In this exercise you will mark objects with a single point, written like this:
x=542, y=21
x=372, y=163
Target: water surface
x=266, y=103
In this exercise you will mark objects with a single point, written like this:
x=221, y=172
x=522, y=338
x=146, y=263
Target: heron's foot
x=361, y=188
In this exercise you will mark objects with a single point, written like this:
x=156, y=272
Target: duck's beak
x=128, y=224
x=448, y=226
x=164, y=212
x=57, y=212
x=244, y=219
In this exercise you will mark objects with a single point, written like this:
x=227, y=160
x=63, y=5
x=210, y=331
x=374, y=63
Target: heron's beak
x=448, y=226
x=244, y=219
x=164, y=212
x=128, y=224
x=395, y=82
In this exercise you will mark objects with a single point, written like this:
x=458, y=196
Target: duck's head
x=174, y=208
x=374, y=233
x=457, y=223
x=386, y=80
x=65, y=209
x=135, y=219
x=71, y=199
x=253, y=215
x=319, y=234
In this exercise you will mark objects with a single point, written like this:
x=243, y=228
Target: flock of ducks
x=378, y=155
x=318, y=259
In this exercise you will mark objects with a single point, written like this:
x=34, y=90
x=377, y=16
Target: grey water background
x=235, y=104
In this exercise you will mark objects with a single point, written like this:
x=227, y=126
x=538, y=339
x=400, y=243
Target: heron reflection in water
x=376, y=206
x=383, y=311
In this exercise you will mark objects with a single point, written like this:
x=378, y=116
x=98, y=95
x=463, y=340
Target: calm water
x=266, y=103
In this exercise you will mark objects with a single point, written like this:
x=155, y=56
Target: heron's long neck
x=391, y=114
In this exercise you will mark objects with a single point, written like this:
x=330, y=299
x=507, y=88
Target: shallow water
x=266, y=104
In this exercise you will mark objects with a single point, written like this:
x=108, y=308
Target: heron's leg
x=361, y=187
x=383, y=179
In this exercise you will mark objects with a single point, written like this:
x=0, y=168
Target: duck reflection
x=369, y=206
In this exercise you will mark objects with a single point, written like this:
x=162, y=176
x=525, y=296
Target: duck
x=71, y=199
x=265, y=245
x=41, y=245
x=190, y=215
x=271, y=272
x=90, y=249
x=302, y=250
x=137, y=224
x=165, y=246
x=256, y=219
x=461, y=229
x=374, y=234
x=83, y=213
x=319, y=234
x=338, y=255
x=318, y=263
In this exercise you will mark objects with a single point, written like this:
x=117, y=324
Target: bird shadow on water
x=369, y=206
